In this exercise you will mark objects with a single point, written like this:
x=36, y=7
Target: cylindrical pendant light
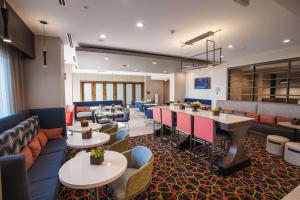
x=45, y=65
x=5, y=14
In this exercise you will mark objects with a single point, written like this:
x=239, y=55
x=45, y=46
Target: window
x=108, y=90
x=277, y=81
x=6, y=98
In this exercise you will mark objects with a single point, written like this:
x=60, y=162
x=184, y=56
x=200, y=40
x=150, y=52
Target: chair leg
x=191, y=148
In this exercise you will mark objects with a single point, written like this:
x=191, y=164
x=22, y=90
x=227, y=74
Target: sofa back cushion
x=13, y=140
x=253, y=115
x=279, y=109
x=244, y=106
x=82, y=109
x=268, y=119
x=283, y=119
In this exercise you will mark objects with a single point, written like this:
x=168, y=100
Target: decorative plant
x=97, y=153
x=196, y=104
x=97, y=156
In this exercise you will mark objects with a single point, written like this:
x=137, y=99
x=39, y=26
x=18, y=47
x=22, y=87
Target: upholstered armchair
x=138, y=174
x=109, y=128
x=119, y=141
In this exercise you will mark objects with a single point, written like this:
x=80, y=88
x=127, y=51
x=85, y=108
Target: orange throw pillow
x=35, y=148
x=42, y=139
x=53, y=133
x=283, y=119
x=28, y=157
x=268, y=119
x=253, y=115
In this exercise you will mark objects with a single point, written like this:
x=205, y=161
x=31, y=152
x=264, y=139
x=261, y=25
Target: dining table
x=236, y=126
x=78, y=128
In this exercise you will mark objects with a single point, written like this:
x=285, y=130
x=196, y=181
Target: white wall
x=218, y=73
x=44, y=87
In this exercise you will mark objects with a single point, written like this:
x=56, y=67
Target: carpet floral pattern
x=175, y=176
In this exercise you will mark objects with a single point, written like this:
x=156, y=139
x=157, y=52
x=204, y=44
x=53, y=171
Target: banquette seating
x=17, y=133
x=82, y=109
x=266, y=115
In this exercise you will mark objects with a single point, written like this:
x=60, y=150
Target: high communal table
x=237, y=126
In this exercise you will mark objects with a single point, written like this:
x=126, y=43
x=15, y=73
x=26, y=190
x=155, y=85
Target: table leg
x=295, y=135
x=236, y=158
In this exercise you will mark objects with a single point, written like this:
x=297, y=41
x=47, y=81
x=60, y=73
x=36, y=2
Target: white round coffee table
x=78, y=173
x=78, y=128
x=75, y=140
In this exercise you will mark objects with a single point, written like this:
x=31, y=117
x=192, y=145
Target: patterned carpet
x=175, y=176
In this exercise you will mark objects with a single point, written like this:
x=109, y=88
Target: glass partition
x=109, y=91
x=128, y=93
x=99, y=91
x=87, y=94
x=138, y=92
x=120, y=91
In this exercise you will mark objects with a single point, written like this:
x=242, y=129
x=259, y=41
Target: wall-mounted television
x=202, y=83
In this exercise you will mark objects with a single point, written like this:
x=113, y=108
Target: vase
x=86, y=134
x=96, y=161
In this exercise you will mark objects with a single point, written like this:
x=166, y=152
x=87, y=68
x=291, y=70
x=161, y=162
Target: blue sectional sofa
x=41, y=181
x=203, y=101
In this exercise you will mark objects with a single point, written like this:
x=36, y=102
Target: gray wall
x=44, y=87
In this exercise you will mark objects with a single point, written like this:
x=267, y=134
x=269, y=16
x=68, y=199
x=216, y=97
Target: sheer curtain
x=6, y=94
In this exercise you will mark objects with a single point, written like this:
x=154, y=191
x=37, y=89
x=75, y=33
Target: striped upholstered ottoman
x=275, y=144
x=292, y=153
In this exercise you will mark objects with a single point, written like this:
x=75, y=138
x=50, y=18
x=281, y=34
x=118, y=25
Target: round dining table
x=77, y=127
x=75, y=140
x=78, y=173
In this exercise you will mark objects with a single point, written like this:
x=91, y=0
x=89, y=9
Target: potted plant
x=295, y=121
x=97, y=156
x=195, y=105
x=84, y=123
x=181, y=106
x=216, y=111
x=87, y=134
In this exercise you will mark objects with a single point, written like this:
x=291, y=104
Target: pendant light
x=5, y=14
x=44, y=44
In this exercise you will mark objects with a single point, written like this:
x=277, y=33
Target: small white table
x=290, y=125
x=77, y=127
x=78, y=173
x=75, y=140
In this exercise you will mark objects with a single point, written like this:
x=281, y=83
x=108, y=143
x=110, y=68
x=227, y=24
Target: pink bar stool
x=205, y=131
x=156, y=118
x=168, y=121
x=184, y=126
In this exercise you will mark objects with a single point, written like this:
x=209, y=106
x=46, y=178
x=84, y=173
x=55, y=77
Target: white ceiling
x=257, y=28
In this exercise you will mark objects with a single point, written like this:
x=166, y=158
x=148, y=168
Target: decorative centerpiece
x=216, y=111
x=87, y=134
x=181, y=106
x=97, y=156
x=84, y=123
x=295, y=121
x=195, y=105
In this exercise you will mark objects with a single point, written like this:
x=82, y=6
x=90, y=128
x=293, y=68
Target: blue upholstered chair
x=120, y=141
x=138, y=174
x=125, y=118
x=148, y=115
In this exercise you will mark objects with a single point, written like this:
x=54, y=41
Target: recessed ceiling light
x=135, y=69
x=125, y=65
x=222, y=56
x=164, y=71
x=102, y=36
x=230, y=46
x=106, y=58
x=140, y=25
x=154, y=63
x=211, y=66
x=286, y=41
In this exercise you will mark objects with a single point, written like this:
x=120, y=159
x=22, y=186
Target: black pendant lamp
x=44, y=43
x=5, y=14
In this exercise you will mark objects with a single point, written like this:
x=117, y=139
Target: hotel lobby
x=160, y=99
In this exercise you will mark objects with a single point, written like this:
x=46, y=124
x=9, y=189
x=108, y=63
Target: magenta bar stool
x=184, y=126
x=157, y=118
x=168, y=121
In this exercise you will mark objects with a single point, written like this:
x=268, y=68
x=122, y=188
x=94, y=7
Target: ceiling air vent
x=69, y=36
x=244, y=3
x=63, y=2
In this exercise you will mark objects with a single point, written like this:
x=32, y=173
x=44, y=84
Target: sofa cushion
x=268, y=119
x=283, y=119
x=83, y=109
x=46, y=166
x=225, y=110
x=35, y=148
x=28, y=157
x=16, y=138
x=268, y=129
x=253, y=115
x=53, y=133
x=54, y=146
x=41, y=136
x=44, y=190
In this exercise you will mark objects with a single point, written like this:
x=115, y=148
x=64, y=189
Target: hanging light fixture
x=5, y=13
x=44, y=43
